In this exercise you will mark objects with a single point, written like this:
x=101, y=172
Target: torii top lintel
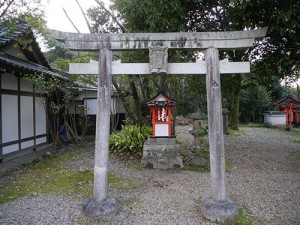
x=181, y=40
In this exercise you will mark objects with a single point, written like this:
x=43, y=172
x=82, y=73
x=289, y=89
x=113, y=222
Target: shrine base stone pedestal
x=223, y=212
x=161, y=153
x=93, y=208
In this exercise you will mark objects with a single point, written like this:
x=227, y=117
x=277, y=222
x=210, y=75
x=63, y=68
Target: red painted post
x=291, y=114
x=286, y=116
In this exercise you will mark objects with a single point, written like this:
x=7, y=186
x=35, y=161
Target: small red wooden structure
x=161, y=106
x=291, y=108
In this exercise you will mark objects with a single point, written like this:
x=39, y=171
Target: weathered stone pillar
x=225, y=113
x=217, y=208
x=100, y=204
x=197, y=126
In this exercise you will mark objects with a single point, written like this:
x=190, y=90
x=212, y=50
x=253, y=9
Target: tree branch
x=130, y=114
x=112, y=16
x=71, y=20
x=87, y=22
x=7, y=7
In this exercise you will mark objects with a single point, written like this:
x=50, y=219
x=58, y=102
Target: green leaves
x=151, y=16
x=129, y=140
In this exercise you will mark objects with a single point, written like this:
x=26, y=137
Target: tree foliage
x=274, y=58
x=23, y=10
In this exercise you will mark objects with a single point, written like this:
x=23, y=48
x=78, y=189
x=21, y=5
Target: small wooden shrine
x=291, y=107
x=160, y=150
x=161, y=106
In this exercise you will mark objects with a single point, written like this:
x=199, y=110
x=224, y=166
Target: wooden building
x=23, y=120
x=291, y=107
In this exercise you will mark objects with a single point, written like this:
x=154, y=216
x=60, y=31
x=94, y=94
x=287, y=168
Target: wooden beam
x=173, y=68
x=181, y=40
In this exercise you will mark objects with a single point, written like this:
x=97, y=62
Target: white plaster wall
x=41, y=140
x=9, y=118
x=26, y=86
x=11, y=148
x=86, y=94
x=9, y=81
x=91, y=105
x=40, y=117
x=26, y=117
x=90, y=101
x=27, y=144
x=274, y=120
x=17, y=52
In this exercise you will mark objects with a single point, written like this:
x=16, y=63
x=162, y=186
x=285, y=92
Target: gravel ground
x=264, y=180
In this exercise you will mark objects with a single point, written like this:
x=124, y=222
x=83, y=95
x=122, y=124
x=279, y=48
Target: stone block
x=223, y=212
x=161, y=153
x=161, y=141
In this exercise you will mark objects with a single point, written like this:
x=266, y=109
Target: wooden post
x=215, y=124
x=100, y=204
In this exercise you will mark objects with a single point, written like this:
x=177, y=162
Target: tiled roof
x=27, y=67
x=9, y=35
x=161, y=92
x=287, y=101
x=23, y=30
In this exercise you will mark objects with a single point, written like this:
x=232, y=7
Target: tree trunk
x=235, y=102
x=130, y=114
x=137, y=100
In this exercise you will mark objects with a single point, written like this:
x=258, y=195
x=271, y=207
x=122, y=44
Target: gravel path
x=264, y=181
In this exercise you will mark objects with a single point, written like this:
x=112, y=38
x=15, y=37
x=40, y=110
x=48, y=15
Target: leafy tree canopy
x=23, y=10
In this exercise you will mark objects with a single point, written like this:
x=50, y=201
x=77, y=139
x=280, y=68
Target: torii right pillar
x=218, y=208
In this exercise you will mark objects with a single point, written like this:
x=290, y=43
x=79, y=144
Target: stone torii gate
x=218, y=208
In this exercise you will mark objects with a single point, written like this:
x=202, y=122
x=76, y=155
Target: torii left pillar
x=100, y=203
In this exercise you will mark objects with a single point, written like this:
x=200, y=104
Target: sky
x=57, y=20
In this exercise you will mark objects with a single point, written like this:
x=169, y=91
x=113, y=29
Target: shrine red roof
x=161, y=93
x=287, y=101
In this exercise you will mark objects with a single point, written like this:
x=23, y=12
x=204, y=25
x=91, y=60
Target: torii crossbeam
x=218, y=208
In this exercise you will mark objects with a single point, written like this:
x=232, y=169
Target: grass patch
x=119, y=183
x=67, y=182
x=295, y=134
x=243, y=219
x=136, y=166
x=49, y=176
x=233, y=132
x=227, y=167
x=297, y=154
x=253, y=125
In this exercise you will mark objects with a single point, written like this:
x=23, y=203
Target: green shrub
x=129, y=140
